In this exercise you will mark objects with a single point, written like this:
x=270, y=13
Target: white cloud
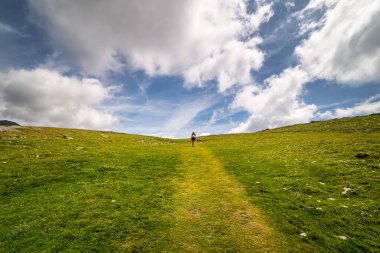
x=185, y=113
x=316, y=5
x=289, y=4
x=5, y=28
x=206, y=40
x=168, y=136
x=201, y=40
x=45, y=97
x=162, y=118
x=218, y=114
x=204, y=134
x=275, y=105
x=230, y=66
x=371, y=105
x=345, y=43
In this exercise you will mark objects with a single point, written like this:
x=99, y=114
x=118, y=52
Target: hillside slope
x=83, y=191
x=321, y=179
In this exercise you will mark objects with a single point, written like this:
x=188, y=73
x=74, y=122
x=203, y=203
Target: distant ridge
x=366, y=123
x=8, y=123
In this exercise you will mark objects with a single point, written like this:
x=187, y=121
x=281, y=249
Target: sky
x=167, y=68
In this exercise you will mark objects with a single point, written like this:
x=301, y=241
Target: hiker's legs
x=192, y=143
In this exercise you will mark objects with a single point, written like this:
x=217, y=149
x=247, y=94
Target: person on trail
x=193, y=138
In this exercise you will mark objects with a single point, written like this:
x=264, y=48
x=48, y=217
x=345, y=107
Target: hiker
x=193, y=138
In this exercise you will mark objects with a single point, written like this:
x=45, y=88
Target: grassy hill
x=84, y=191
x=297, y=176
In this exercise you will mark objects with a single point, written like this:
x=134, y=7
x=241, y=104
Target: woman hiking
x=193, y=138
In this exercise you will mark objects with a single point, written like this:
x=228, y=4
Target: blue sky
x=167, y=68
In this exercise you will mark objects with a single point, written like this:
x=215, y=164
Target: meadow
x=304, y=188
x=83, y=191
x=321, y=179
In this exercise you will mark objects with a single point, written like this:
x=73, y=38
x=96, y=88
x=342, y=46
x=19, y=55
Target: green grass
x=290, y=173
x=212, y=213
x=96, y=192
x=87, y=191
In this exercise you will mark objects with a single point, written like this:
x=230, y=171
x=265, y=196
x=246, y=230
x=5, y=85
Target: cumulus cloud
x=369, y=106
x=218, y=40
x=344, y=45
x=45, y=97
x=201, y=40
x=279, y=103
x=230, y=66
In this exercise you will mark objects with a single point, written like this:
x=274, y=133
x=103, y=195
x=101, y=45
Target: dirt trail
x=213, y=214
